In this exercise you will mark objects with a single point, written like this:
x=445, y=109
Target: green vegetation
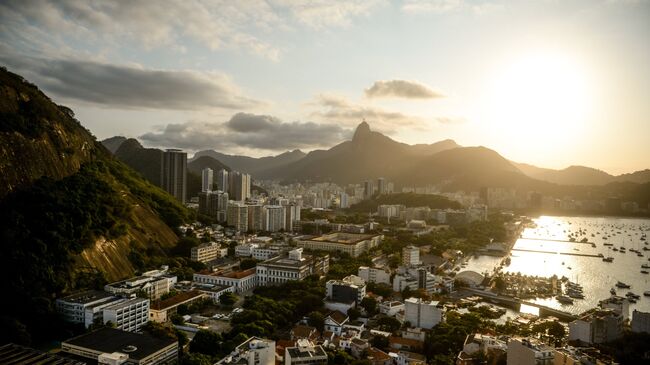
x=443, y=343
x=406, y=199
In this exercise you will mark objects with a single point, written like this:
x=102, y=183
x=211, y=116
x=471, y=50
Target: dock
x=516, y=303
x=558, y=253
x=553, y=240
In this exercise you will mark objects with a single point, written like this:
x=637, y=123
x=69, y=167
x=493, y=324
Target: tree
x=247, y=264
x=380, y=342
x=206, y=342
x=228, y=299
x=196, y=359
x=316, y=320
x=388, y=324
x=406, y=293
x=370, y=305
x=354, y=313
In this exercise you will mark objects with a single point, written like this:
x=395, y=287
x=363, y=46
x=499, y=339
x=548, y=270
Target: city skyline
x=548, y=83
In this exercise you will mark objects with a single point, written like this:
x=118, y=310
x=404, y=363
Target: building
x=335, y=322
x=239, y=186
x=350, y=243
x=368, y=189
x=206, y=252
x=292, y=212
x=207, y=178
x=132, y=348
x=254, y=351
x=305, y=352
x=421, y=313
x=411, y=256
x=374, y=275
x=596, y=326
x=274, y=218
x=162, y=310
x=128, y=315
x=245, y=249
x=476, y=344
x=390, y=211
x=294, y=266
x=618, y=304
x=11, y=354
x=391, y=307
x=213, y=204
x=525, y=351
x=173, y=173
x=640, y=321
x=344, y=201
x=350, y=289
x=85, y=307
x=265, y=253
x=381, y=185
x=222, y=180
x=237, y=216
x=241, y=281
x=153, y=283
x=256, y=221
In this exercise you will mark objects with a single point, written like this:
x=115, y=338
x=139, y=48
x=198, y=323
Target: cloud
x=338, y=109
x=168, y=24
x=247, y=131
x=448, y=6
x=401, y=89
x=130, y=86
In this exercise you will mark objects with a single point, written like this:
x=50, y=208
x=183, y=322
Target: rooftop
x=87, y=296
x=11, y=354
x=176, y=300
x=109, y=340
x=343, y=238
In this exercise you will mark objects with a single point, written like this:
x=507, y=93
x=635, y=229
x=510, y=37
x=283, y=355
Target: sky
x=553, y=83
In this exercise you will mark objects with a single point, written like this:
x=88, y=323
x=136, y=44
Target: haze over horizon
x=548, y=83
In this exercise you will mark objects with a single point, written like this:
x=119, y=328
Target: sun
x=545, y=93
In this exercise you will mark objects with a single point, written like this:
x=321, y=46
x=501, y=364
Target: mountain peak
x=363, y=129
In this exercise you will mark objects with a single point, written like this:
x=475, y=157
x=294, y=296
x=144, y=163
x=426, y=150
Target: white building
x=411, y=255
x=274, y=218
x=154, y=283
x=391, y=307
x=207, y=252
x=294, y=266
x=265, y=253
x=254, y=351
x=241, y=281
x=374, y=275
x=292, y=216
x=129, y=315
x=222, y=180
x=206, y=179
x=421, y=313
x=350, y=243
x=597, y=326
x=237, y=216
x=618, y=304
x=640, y=321
x=305, y=352
x=350, y=289
x=524, y=351
x=85, y=307
x=245, y=249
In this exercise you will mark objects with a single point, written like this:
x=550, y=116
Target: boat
x=622, y=285
x=631, y=300
x=608, y=259
x=564, y=299
x=644, y=271
x=612, y=291
x=645, y=266
x=632, y=295
x=615, y=249
x=608, y=244
x=646, y=293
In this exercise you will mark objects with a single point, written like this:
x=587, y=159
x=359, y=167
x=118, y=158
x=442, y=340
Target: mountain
x=368, y=155
x=252, y=165
x=71, y=215
x=146, y=161
x=197, y=165
x=113, y=143
x=581, y=175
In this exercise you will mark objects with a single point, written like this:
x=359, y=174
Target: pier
x=558, y=253
x=516, y=303
x=553, y=240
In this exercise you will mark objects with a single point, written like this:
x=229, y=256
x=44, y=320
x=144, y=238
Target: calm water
x=595, y=276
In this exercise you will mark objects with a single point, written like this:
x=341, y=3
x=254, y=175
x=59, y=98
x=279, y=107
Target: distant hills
x=370, y=154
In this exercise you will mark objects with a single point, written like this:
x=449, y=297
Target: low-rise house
x=410, y=358
x=162, y=310
x=305, y=353
x=254, y=351
x=476, y=344
x=304, y=332
x=391, y=307
x=358, y=346
x=378, y=357
x=335, y=322
x=404, y=344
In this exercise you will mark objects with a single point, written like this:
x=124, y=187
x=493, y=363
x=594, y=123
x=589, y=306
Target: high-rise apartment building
x=222, y=180
x=381, y=185
x=239, y=185
x=214, y=204
x=292, y=213
x=274, y=218
x=256, y=218
x=368, y=189
x=207, y=177
x=173, y=173
x=237, y=216
x=410, y=256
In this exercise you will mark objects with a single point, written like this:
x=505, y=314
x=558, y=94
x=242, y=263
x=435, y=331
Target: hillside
x=252, y=165
x=146, y=161
x=113, y=143
x=197, y=165
x=581, y=175
x=71, y=215
x=406, y=199
x=368, y=155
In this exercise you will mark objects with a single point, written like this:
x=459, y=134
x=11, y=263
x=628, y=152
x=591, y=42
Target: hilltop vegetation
x=406, y=199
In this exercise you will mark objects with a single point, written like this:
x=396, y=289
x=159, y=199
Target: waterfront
x=596, y=276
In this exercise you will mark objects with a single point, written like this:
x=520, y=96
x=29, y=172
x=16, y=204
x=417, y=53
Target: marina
x=546, y=250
